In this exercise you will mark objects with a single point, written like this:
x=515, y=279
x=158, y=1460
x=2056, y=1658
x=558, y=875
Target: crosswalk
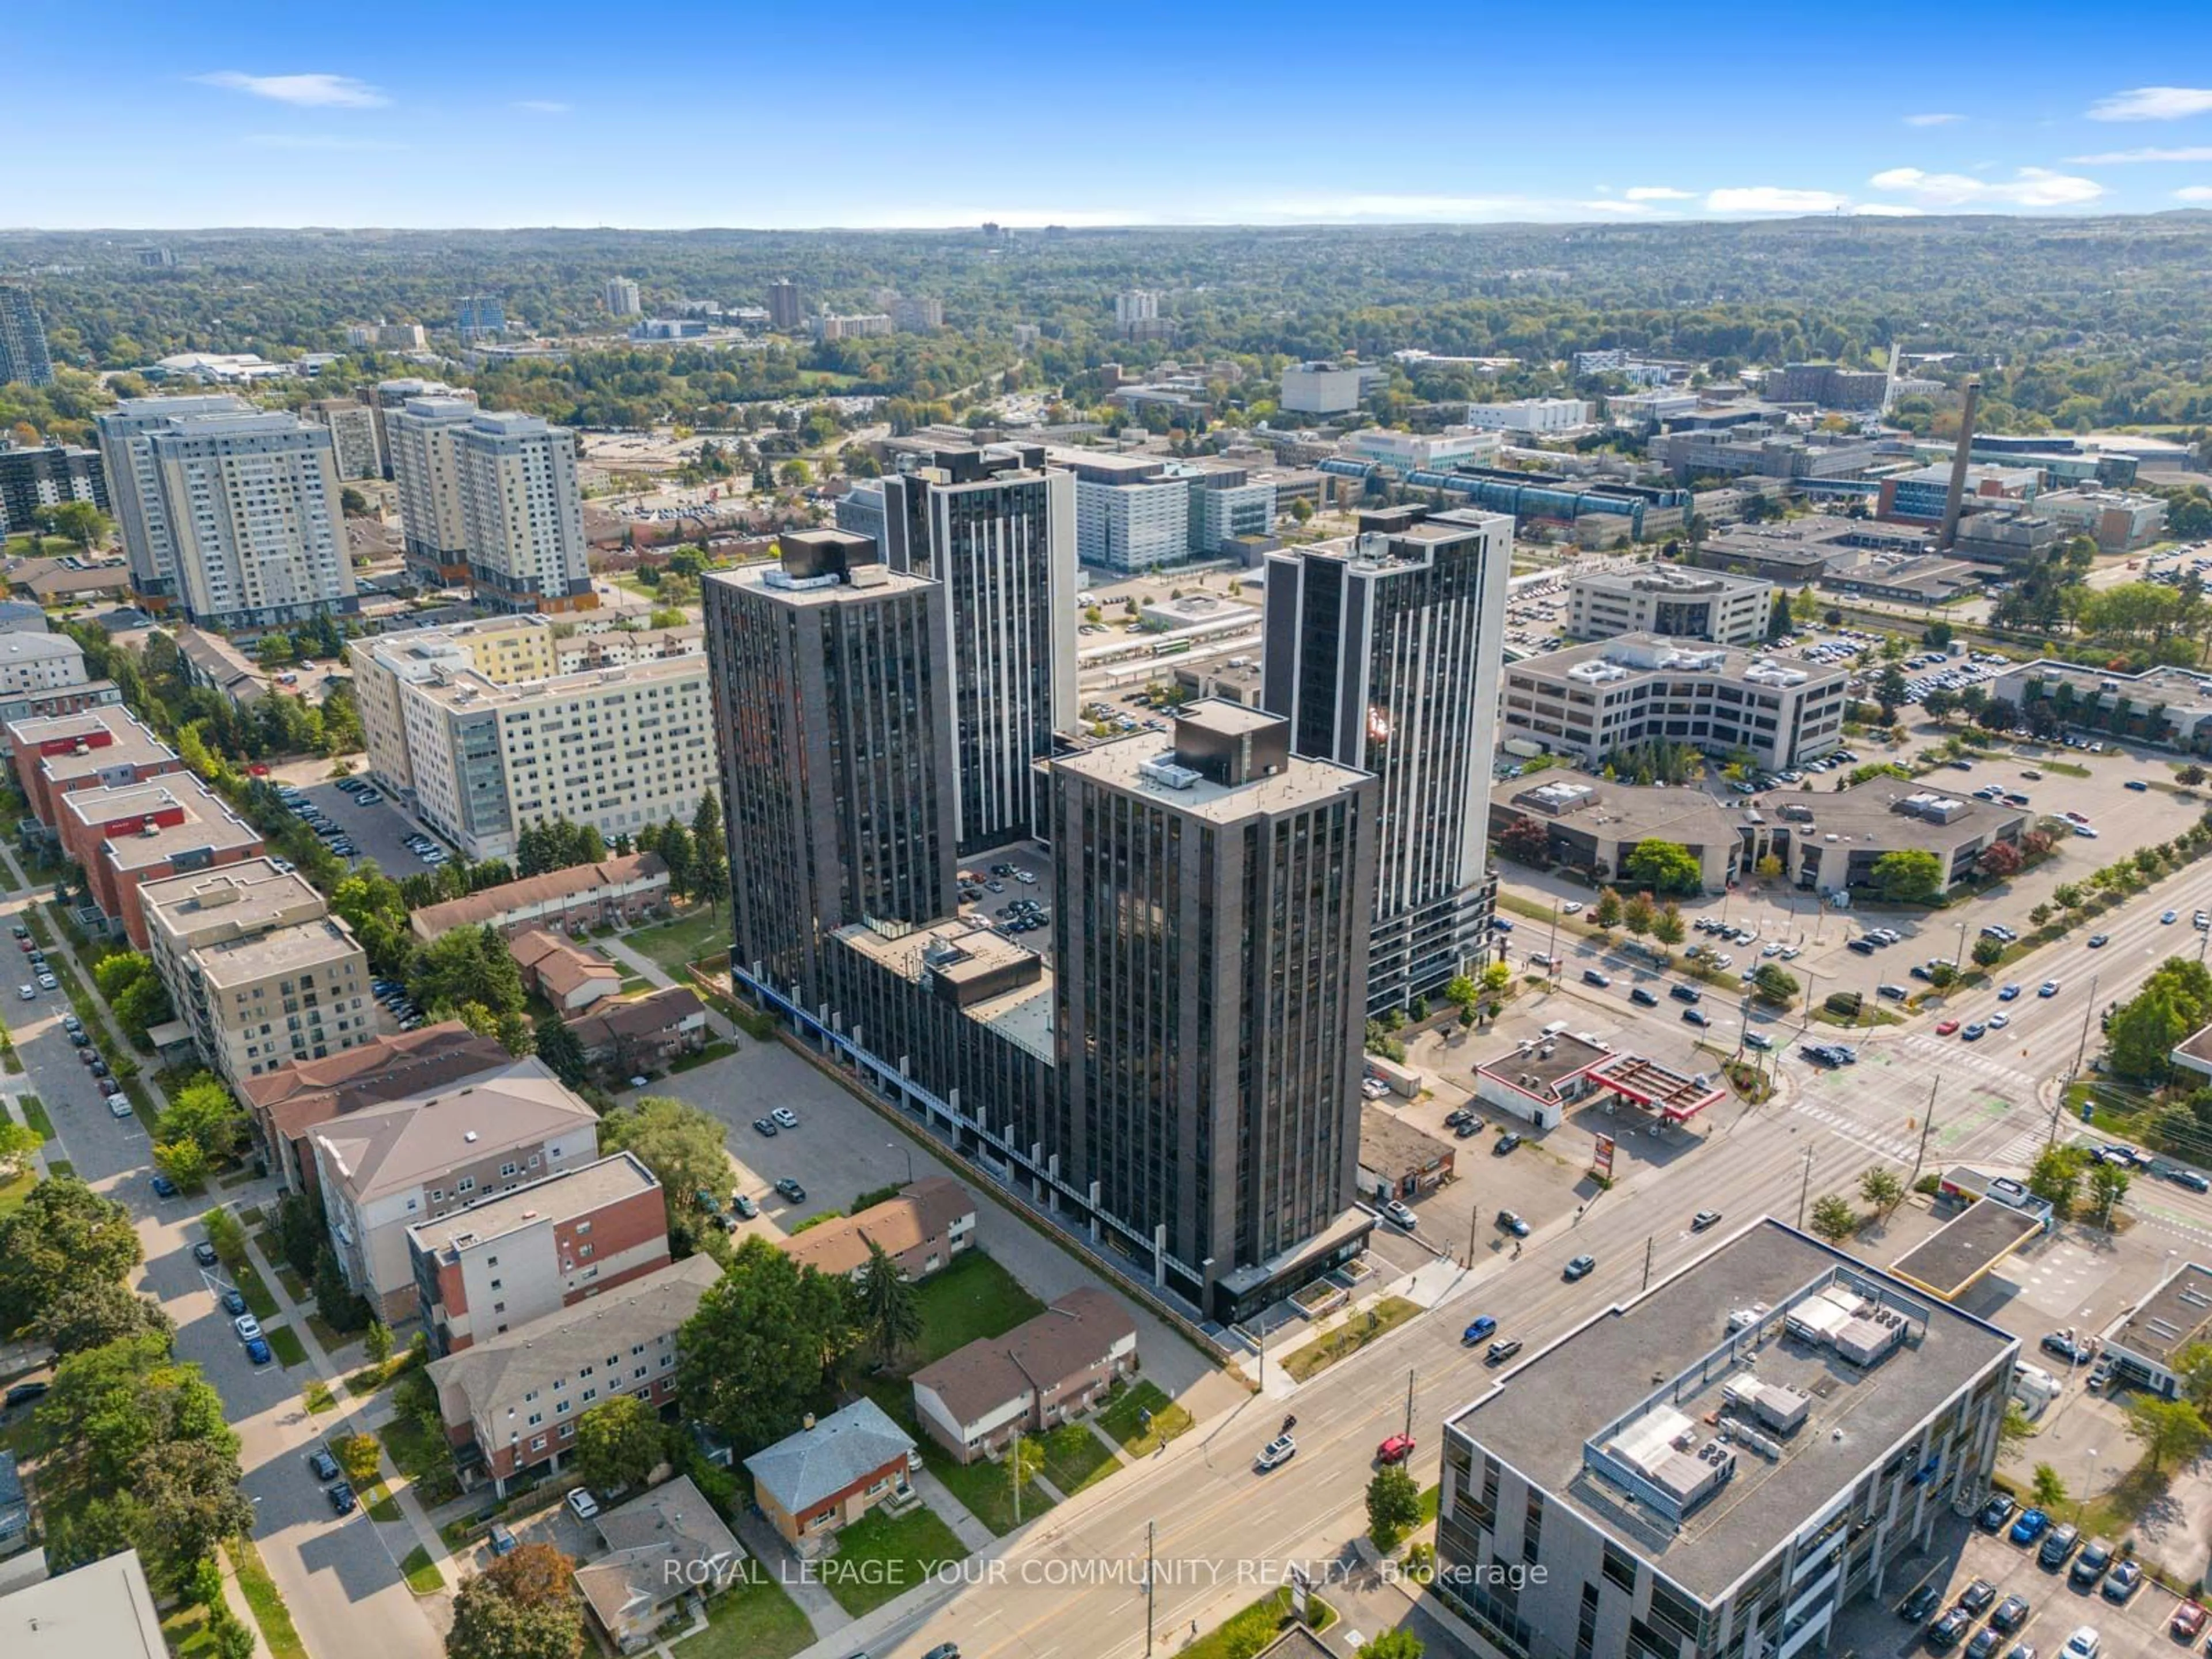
x=2020, y=1150
x=1855, y=1131
x=1950, y=1059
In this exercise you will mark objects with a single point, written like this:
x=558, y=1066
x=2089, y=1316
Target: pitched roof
x=656, y=1544
x=639, y=1017
x=397, y=1145
x=503, y=1366
x=802, y=1469
x=299, y=1095
x=925, y=1209
x=1076, y=1332
x=490, y=903
x=559, y=966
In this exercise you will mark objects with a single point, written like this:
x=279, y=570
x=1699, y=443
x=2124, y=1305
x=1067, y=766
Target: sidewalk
x=637, y=963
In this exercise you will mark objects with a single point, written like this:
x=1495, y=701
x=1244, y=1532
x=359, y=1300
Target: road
x=337, y=1577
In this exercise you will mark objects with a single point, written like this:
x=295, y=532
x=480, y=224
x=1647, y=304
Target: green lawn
x=1358, y=1329
x=187, y=1635
x=1075, y=1459
x=251, y=1285
x=317, y=1397
x=1432, y=1499
x=754, y=1619
x=1122, y=1422
x=422, y=1572
x=688, y=938
x=379, y=1503
x=973, y=1297
x=266, y=1600
x=880, y=1558
x=984, y=1489
x=60, y=1168
x=1242, y=1636
x=284, y=1342
x=34, y=1114
x=14, y=1192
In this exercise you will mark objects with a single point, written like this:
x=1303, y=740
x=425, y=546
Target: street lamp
x=895, y=1146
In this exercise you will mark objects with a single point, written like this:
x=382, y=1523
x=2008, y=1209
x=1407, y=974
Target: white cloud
x=2033, y=187
x=544, y=105
x=312, y=91
x=2123, y=157
x=318, y=141
x=1933, y=120
x=1773, y=198
x=2152, y=104
x=1657, y=193
x=2194, y=193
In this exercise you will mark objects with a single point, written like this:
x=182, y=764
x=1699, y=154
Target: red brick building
x=126, y=835
x=96, y=749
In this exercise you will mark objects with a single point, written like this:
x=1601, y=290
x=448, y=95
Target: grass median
x=267, y=1603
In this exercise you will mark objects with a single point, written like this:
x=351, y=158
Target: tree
x=2189, y=776
x=1665, y=866
x=469, y=965
x=1525, y=841
x=1639, y=914
x=377, y=1340
x=1775, y=984
x=95, y=1312
x=1833, y=1218
x=2056, y=1177
x=679, y=1143
x=335, y=1300
x=1400, y=1643
x=203, y=1113
x=299, y=1232
x=1605, y=913
x=795, y=474
x=561, y=1051
x=1910, y=875
x=618, y=1444
x=1881, y=1188
x=1460, y=991
x=2045, y=1490
x=1987, y=951
x=81, y=522
x=492, y=1620
x=64, y=1234
x=1999, y=859
x=761, y=1347
x=2108, y=1185
x=1394, y=1506
x=674, y=845
x=2014, y=1428
x=1669, y=927
x=2165, y=1428
x=17, y=1142
x=884, y=1306
x=191, y=1502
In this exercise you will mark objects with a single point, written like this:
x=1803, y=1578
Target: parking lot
x=1012, y=891
x=379, y=831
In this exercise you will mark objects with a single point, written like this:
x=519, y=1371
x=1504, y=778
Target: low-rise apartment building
x=640, y=1034
x=1719, y=1466
x=1682, y=605
x=545, y=1246
x=567, y=975
x=511, y=1401
x=928, y=1223
x=126, y=837
x=1591, y=701
x=40, y=662
x=614, y=891
x=94, y=749
x=17, y=706
x=257, y=968
x=425, y=1158
x=1044, y=1372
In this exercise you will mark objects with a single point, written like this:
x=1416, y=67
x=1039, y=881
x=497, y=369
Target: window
x=561, y=1409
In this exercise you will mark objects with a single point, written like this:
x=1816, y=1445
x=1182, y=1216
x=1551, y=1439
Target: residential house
x=571, y=978
x=921, y=1230
x=426, y=1157
x=644, y=1033
x=814, y=1483
x=618, y=891
x=511, y=1401
x=542, y=1247
x=662, y=1549
x=1044, y=1372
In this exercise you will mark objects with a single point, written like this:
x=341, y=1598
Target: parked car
x=784, y=1117
x=1920, y=1604
x=1512, y=1222
x=322, y=1465
x=1401, y=1214
x=792, y=1190
x=763, y=1126
x=1943, y=1635
x=2083, y=1643
x=2058, y=1544
x=203, y=1253
x=2189, y=1621
x=744, y=1208
x=2031, y=1526
x=2011, y=1614
x=164, y=1187
x=23, y=1394
x=1505, y=1143
x=340, y=1497
x=583, y=1505
x=1998, y=1510
x=1978, y=1595
x=2120, y=1582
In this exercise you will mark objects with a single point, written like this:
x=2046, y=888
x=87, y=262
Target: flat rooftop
x=1627, y=812
x=1597, y=1381
x=572, y=1192
x=208, y=824
x=1874, y=812
x=239, y=898
x=133, y=744
x=2172, y=1317
x=467, y=689
x=1126, y=765
x=1392, y=1147
x=278, y=952
x=1021, y=1013
x=1599, y=665
x=1542, y=1063
x=1956, y=1257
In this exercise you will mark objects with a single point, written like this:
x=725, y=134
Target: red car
x=2188, y=1621
x=1944, y=1028
x=1396, y=1449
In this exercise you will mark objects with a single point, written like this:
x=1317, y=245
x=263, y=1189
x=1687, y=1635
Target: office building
x=511, y=1401
x=1131, y=515
x=46, y=475
x=1591, y=701
x=623, y=297
x=1409, y=452
x=1720, y=1466
x=917, y=316
x=996, y=530
x=22, y=339
x=1657, y=598
x=545, y=1246
x=228, y=515
x=352, y=426
x=787, y=306
x=1227, y=503
x=380, y=336
x=1919, y=496
x=1652, y=408
x=481, y=760
x=2119, y=521
x=424, y=436
x=257, y=968
x=480, y=317
x=860, y=510
x=833, y=687
x=1209, y=996
x=1383, y=653
x=862, y=325
x=523, y=513
x=1829, y=385
x=1531, y=415
x=1329, y=388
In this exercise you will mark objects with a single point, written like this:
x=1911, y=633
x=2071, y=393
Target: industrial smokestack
x=1957, y=494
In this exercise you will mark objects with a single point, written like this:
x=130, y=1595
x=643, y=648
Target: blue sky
x=485, y=113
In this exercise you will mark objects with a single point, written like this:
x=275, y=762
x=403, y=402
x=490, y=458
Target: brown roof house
x=921, y=1229
x=830, y=1473
x=621, y=889
x=662, y=1549
x=642, y=1032
x=566, y=975
x=1039, y=1375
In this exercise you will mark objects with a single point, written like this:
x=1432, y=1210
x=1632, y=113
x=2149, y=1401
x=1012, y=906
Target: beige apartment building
x=257, y=968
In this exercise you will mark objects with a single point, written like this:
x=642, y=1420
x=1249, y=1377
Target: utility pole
x=1409, y=1403
x=1805, y=1189
x=1552, y=948
x=2081, y=1049
x=1152, y=1590
x=1014, y=1469
x=1927, y=1127
x=1474, y=1214
x=1649, y=1242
